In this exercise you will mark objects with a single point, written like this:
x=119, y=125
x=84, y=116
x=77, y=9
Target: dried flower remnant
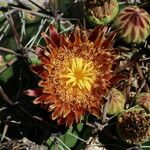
x=133, y=1
x=75, y=72
x=143, y=99
x=133, y=24
x=117, y=101
x=133, y=126
x=101, y=12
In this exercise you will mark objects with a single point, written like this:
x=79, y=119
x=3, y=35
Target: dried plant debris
x=94, y=144
x=23, y=144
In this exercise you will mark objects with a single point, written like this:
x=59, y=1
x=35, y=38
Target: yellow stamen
x=80, y=74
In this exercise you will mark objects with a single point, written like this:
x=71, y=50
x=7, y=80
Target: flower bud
x=143, y=99
x=99, y=12
x=117, y=101
x=133, y=24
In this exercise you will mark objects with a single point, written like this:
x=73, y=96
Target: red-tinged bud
x=133, y=24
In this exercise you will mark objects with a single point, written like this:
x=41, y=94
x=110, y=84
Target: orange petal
x=41, y=55
x=56, y=112
x=49, y=40
x=61, y=120
x=49, y=99
x=39, y=70
x=107, y=43
x=78, y=114
x=77, y=35
x=53, y=53
x=51, y=107
x=65, y=110
x=47, y=87
x=54, y=35
x=100, y=38
x=39, y=50
x=94, y=34
x=63, y=41
x=40, y=99
x=44, y=83
x=70, y=119
x=33, y=92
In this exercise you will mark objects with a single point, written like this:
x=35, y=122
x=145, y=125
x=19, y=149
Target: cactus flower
x=75, y=71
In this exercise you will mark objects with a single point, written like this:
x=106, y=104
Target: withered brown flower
x=75, y=72
x=133, y=125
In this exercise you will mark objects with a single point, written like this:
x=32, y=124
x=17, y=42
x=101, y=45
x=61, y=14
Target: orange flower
x=75, y=73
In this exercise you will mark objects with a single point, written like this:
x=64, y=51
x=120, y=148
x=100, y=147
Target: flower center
x=79, y=74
